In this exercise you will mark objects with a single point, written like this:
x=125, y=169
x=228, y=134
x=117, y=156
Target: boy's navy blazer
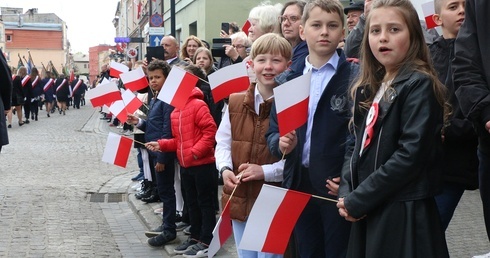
x=329, y=134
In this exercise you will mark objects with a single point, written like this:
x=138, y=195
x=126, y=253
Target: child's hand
x=288, y=142
x=230, y=180
x=132, y=119
x=333, y=185
x=344, y=213
x=251, y=172
x=153, y=146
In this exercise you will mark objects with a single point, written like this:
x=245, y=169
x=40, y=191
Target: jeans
x=198, y=185
x=238, y=228
x=447, y=201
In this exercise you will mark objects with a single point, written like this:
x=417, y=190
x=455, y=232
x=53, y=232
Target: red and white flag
x=222, y=231
x=246, y=26
x=428, y=10
x=25, y=80
x=117, y=150
x=103, y=94
x=35, y=82
x=75, y=88
x=131, y=102
x=177, y=87
x=134, y=80
x=291, y=100
x=48, y=84
x=228, y=80
x=118, y=109
x=272, y=219
x=117, y=69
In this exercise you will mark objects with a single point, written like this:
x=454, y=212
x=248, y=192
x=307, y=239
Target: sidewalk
x=144, y=211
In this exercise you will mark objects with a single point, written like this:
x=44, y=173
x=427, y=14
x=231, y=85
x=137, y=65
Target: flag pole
x=324, y=198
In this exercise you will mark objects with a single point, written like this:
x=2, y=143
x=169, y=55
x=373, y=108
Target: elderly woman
x=191, y=44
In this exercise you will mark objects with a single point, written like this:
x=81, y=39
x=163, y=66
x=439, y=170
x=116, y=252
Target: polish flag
x=35, y=82
x=117, y=150
x=72, y=75
x=77, y=85
x=103, y=94
x=228, y=80
x=246, y=26
x=177, y=87
x=272, y=219
x=117, y=69
x=118, y=109
x=134, y=80
x=291, y=100
x=131, y=102
x=48, y=84
x=428, y=10
x=25, y=80
x=222, y=231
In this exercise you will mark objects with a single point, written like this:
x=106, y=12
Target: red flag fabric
x=117, y=69
x=131, y=102
x=177, y=87
x=118, y=109
x=272, y=219
x=72, y=75
x=134, y=80
x=222, y=231
x=48, y=84
x=228, y=80
x=246, y=26
x=103, y=94
x=117, y=150
x=428, y=10
x=25, y=80
x=291, y=100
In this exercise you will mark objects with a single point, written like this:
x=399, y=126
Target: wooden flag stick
x=324, y=198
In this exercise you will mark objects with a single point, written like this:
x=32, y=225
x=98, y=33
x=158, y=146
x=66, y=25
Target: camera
x=218, y=46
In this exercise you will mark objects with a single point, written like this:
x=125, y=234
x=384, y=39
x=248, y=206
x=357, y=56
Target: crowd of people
x=397, y=127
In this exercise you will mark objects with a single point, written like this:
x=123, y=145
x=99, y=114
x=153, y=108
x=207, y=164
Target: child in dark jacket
x=193, y=131
x=460, y=163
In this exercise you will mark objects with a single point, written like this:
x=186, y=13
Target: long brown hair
x=417, y=58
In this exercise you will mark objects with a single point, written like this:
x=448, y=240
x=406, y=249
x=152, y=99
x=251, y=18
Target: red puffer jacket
x=193, y=131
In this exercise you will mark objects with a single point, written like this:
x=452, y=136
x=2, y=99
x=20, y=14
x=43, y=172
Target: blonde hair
x=183, y=50
x=417, y=57
x=329, y=6
x=271, y=43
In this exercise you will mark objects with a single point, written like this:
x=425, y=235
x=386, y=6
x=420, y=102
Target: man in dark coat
x=5, y=98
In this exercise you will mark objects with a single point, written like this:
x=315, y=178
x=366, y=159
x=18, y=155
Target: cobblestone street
x=51, y=173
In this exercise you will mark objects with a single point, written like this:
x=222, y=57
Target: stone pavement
x=58, y=199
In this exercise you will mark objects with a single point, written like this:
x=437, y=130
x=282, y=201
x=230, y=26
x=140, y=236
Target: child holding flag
x=193, y=130
x=315, y=151
x=241, y=148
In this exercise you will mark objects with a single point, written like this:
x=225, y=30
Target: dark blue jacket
x=329, y=134
x=157, y=126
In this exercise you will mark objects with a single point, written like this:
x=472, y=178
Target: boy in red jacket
x=193, y=131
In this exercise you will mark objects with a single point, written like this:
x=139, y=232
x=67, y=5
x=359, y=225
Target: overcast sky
x=89, y=21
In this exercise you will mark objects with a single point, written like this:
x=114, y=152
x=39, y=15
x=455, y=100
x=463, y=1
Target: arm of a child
x=205, y=123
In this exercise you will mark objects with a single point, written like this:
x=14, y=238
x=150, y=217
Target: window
x=9, y=38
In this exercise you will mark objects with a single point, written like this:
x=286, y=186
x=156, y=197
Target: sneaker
x=179, y=226
x=198, y=250
x=162, y=239
x=154, y=232
x=158, y=211
x=187, y=230
x=182, y=248
x=482, y=256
